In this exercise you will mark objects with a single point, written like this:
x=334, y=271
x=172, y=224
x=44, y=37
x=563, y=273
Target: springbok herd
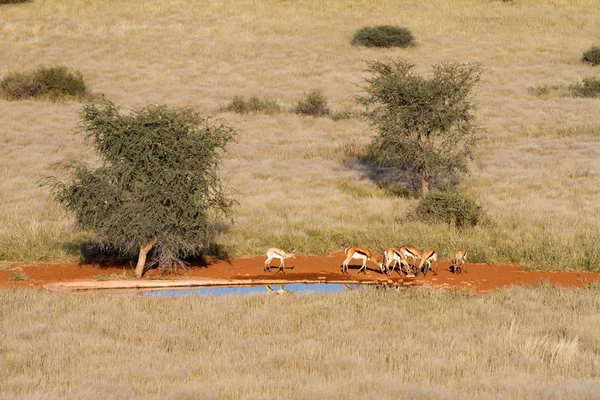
x=393, y=259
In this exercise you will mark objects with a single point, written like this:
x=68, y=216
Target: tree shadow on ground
x=106, y=257
x=401, y=182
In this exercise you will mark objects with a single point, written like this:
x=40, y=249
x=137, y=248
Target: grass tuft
x=115, y=277
x=254, y=104
x=18, y=275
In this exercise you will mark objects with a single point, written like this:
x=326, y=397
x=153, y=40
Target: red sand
x=480, y=277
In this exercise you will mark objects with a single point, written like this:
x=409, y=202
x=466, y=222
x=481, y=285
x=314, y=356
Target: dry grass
x=541, y=192
x=526, y=343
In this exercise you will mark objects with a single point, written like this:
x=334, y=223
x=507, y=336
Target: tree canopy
x=425, y=125
x=157, y=186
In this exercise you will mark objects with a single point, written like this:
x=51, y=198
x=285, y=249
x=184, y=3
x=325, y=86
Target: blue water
x=237, y=291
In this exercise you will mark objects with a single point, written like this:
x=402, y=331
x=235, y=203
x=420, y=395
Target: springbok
x=395, y=258
x=459, y=261
x=274, y=252
x=360, y=254
x=411, y=252
x=428, y=256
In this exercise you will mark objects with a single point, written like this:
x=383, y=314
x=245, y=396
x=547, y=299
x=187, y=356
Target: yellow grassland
x=525, y=343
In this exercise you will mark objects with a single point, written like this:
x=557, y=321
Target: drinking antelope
x=411, y=252
x=459, y=260
x=360, y=254
x=428, y=256
x=274, y=252
x=395, y=257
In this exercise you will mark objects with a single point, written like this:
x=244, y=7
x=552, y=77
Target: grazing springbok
x=395, y=258
x=411, y=252
x=428, y=256
x=360, y=254
x=459, y=261
x=274, y=252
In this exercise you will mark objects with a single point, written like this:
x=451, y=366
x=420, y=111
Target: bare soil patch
x=480, y=277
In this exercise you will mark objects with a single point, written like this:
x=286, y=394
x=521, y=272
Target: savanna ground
x=536, y=175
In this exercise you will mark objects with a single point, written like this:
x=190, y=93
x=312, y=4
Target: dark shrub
x=592, y=56
x=383, y=36
x=313, y=104
x=54, y=82
x=14, y=1
x=590, y=87
x=18, y=86
x=241, y=106
x=450, y=207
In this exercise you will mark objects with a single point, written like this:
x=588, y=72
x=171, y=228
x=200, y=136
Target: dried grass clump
x=18, y=275
x=590, y=87
x=254, y=104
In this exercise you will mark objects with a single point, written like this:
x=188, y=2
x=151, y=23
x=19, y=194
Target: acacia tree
x=157, y=186
x=424, y=125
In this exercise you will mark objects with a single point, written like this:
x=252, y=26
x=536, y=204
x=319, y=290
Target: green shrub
x=450, y=207
x=313, y=104
x=52, y=82
x=60, y=81
x=592, y=56
x=383, y=36
x=242, y=106
x=14, y=1
x=590, y=87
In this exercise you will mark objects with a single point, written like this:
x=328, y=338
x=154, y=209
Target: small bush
x=450, y=207
x=14, y=1
x=242, y=106
x=590, y=87
x=383, y=36
x=592, y=56
x=52, y=82
x=61, y=81
x=313, y=104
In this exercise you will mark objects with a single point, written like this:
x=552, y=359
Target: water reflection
x=246, y=290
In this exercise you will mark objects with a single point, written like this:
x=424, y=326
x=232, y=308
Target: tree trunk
x=424, y=182
x=144, y=249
